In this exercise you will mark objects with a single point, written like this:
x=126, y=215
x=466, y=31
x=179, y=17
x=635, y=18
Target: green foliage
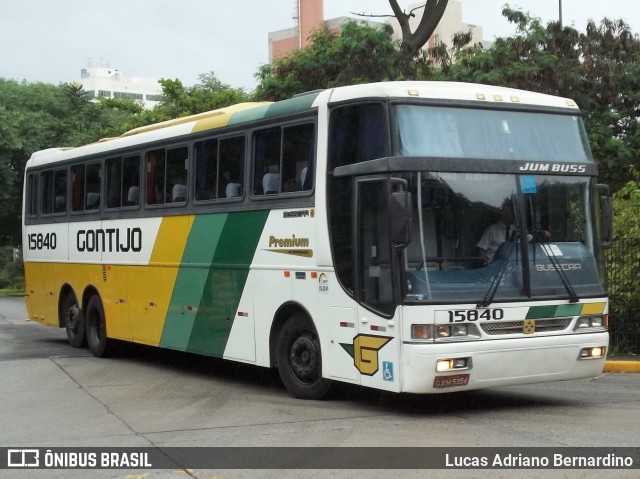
x=359, y=53
x=623, y=264
x=598, y=68
x=626, y=205
x=11, y=270
x=36, y=116
x=208, y=94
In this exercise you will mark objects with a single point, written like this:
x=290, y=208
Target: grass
x=11, y=293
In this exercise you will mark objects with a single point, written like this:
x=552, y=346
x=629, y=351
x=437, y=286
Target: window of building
x=128, y=95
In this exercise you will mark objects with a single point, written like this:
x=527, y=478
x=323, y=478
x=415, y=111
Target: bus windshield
x=450, y=132
x=500, y=236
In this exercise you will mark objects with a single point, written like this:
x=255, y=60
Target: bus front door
x=377, y=345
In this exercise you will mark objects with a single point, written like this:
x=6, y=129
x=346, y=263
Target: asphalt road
x=52, y=395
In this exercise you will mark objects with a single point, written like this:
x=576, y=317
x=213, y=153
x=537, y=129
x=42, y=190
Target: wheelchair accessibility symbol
x=387, y=371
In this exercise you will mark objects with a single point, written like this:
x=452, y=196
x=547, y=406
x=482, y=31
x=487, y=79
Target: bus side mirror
x=401, y=220
x=606, y=217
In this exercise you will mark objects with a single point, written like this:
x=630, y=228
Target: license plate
x=451, y=381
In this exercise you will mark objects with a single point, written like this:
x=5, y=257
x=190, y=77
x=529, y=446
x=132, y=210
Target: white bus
x=335, y=236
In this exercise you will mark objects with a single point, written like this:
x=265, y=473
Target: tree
x=599, y=69
x=35, y=116
x=208, y=94
x=359, y=53
x=413, y=41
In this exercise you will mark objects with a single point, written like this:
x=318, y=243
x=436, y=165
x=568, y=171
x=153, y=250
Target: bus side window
x=231, y=167
x=77, y=188
x=113, y=167
x=46, y=207
x=177, y=164
x=131, y=181
x=297, y=157
x=60, y=191
x=266, y=177
x=123, y=181
x=32, y=195
x=206, y=170
x=155, y=177
x=92, y=183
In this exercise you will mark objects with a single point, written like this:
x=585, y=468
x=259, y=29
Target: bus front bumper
x=504, y=362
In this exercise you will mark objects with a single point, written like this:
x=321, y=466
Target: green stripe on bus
x=293, y=105
x=211, y=278
x=569, y=310
x=226, y=281
x=192, y=277
x=536, y=312
x=252, y=114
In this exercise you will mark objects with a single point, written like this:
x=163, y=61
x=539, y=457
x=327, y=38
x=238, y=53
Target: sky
x=52, y=40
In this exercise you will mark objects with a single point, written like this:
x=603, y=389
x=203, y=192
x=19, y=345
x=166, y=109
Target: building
x=309, y=15
x=111, y=83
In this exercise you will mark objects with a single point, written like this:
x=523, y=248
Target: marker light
x=420, y=331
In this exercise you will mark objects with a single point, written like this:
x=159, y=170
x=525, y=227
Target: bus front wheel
x=99, y=343
x=74, y=321
x=300, y=359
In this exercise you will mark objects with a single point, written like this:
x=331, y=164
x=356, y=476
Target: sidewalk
x=622, y=364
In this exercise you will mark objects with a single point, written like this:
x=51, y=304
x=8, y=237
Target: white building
x=111, y=83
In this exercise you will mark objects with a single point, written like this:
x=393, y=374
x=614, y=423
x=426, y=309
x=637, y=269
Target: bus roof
x=247, y=112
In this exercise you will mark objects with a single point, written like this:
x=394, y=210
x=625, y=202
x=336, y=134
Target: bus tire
x=300, y=359
x=73, y=320
x=99, y=344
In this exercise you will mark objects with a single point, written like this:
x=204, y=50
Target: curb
x=622, y=367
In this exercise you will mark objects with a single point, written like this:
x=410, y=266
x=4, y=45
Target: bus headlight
x=445, y=332
x=589, y=322
x=448, y=331
x=460, y=330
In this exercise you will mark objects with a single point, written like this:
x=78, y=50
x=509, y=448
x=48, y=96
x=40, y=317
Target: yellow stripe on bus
x=593, y=308
x=150, y=287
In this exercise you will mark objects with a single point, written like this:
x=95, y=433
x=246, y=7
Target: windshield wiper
x=546, y=247
x=502, y=267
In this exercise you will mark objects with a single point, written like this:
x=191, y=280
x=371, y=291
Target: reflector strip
x=344, y=324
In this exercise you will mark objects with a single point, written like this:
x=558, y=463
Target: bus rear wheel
x=74, y=321
x=300, y=359
x=99, y=344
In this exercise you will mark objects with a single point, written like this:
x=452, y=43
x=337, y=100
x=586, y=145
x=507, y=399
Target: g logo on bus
x=529, y=326
x=364, y=352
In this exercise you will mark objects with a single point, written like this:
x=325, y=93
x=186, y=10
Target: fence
x=623, y=271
